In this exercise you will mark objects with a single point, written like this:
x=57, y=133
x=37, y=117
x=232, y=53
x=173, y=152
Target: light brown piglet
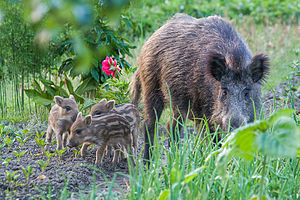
x=61, y=117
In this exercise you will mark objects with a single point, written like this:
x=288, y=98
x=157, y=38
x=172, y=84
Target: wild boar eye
x=98, y=112
x=246, y=93
x=78, y=132
x=224, y=93
x=68, y=108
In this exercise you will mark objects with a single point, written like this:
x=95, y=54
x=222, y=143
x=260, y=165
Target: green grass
x=191, y=172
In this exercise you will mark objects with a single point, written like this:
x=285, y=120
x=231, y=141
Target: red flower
x=109, y=66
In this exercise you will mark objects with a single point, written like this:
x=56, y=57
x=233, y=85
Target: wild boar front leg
x=84, y=148
x=59, y=140
x=60, y=130
x=64, y=139
x=48, y=137
x=100, y=152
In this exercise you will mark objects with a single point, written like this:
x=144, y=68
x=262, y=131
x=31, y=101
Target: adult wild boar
x=206, y=67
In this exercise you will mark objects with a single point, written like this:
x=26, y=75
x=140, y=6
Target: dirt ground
x=81, y=174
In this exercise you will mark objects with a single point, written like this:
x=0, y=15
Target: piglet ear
x=259, y=67
x=88, y=120
x=58, y=100
x=72, y=97
x=102, y=101
x=110, y=104
x=217, y=66
x=79, y=116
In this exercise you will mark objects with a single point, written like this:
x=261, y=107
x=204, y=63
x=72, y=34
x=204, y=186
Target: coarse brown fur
x=103, y=130
x=61, y=117
x=206, y=69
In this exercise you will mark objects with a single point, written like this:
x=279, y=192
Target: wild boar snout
x=72, y=143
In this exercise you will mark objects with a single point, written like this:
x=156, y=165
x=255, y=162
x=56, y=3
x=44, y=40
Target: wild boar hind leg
x=153, y=107
x=176, y=127
x=100, y=152
x=48, y=137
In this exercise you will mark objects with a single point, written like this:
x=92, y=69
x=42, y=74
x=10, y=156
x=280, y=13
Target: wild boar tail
x=135, y=89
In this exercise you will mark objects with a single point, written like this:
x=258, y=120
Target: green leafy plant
x=76, y=152
x=19, y=154
x=22, y=136
x=12, y=178
x=117, y=88
x=39, y=139
x=60, y=152
x=8, y=142
x=45, y=96
x=6, y=161
x=43, y=164
x=276, y=137
x=22, y=140
x=81, y=46
x=49, y=155
x=40, y=142
x=27, y=172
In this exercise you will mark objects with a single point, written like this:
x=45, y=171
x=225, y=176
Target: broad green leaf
x=46, y=82
x=48, y=85
x=242, y=140
x=69, y=85
x=86, y=85
x=37, y=86
x=280, y=113
x=31, y=93
x=164, y=195
x=61, y=91
x=253, y=128
x=284, y=123
x=282, y=140
x=95, y=75
x=42, y=101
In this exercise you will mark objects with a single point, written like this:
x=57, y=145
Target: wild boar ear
x=72, y=97
x=102, y=101
x=259, y=67
x=110, y=104
x=217, y=66
x=79, y=116
x=58, y=100
x=88, y=120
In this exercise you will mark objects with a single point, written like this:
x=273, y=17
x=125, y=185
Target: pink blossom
x=109, y=66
